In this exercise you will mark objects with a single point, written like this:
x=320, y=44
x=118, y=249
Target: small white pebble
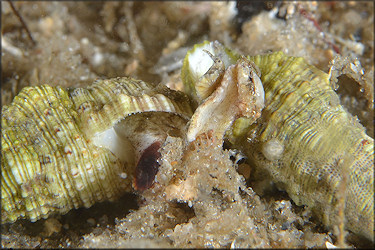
x=273, y=149
x=97, y=59
x=85, y=40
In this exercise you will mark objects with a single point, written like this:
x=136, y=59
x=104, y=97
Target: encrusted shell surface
x=307, y=142
x=54, y=154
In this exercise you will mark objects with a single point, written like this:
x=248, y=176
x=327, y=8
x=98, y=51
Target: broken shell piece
x=207, y=83
x=226, y=86
x=239, y=94
x=184, y=190
x=197, y=63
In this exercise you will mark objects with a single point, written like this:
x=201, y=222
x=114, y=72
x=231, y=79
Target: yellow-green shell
x=306, y=141
x=323, y=144
x=49, y=163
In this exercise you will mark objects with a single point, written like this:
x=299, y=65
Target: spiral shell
x=323, y=144
x=60, y=150
x=308, y=143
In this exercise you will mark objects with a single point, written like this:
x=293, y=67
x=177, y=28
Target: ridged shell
x=323, y=144
x=309, y=144
x=49, y=161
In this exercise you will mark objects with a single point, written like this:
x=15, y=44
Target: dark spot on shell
x=147, y=167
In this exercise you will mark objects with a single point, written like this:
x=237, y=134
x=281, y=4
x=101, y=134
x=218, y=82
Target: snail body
x=60, y=150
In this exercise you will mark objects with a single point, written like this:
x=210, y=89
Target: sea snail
x=62, y=149
x=307, y=142
x=68, y=148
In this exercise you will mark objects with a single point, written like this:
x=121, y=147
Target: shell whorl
x=323, y=143
x=51, y=161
